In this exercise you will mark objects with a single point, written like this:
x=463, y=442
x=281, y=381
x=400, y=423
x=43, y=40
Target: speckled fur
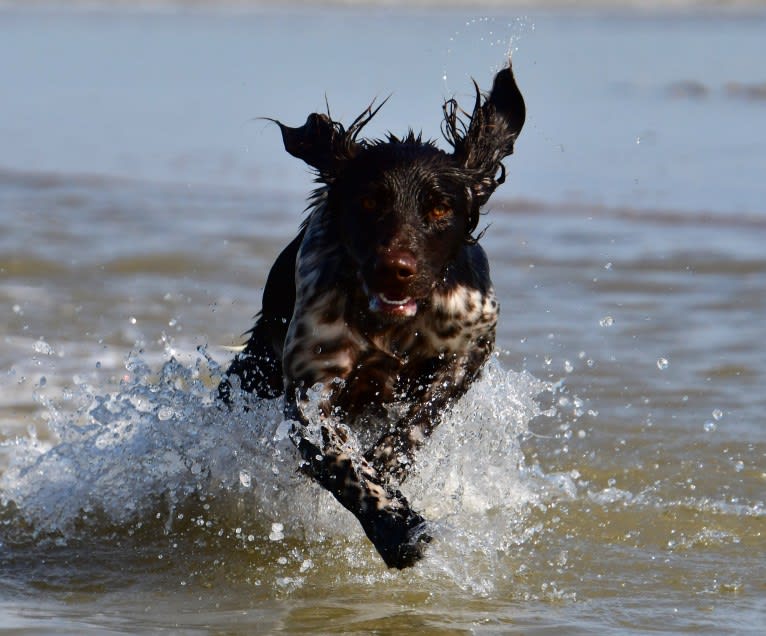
x=384, y=299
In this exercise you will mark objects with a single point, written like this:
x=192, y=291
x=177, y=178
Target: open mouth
x=399, y=307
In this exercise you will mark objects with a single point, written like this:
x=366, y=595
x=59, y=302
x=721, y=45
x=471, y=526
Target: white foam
x=143, y=451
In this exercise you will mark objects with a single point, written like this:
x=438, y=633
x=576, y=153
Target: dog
x=382, y=307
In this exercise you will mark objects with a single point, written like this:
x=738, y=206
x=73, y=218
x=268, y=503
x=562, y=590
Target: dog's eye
x=369, y=203
x=439, y=212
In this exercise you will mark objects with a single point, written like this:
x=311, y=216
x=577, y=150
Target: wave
x=152, y=474
x=158, y=457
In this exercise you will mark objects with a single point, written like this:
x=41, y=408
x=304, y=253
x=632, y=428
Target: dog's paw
x=400, y=539
x=412, y=550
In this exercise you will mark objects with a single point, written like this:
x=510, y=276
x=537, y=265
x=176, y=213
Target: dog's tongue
x=400, y=307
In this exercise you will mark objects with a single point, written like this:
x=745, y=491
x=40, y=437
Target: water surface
x=605, y=476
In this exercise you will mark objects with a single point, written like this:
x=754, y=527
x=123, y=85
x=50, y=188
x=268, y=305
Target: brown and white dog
x=383, y=302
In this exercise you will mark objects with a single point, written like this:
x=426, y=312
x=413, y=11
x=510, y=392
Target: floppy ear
x=489, y=136
x=324, y=143
x=319, y=142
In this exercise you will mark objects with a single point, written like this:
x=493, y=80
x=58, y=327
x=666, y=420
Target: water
x=605, y=476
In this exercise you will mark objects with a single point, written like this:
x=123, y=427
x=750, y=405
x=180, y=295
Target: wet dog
x=382, y=307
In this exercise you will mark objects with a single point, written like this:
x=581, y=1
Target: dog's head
x=403, y=207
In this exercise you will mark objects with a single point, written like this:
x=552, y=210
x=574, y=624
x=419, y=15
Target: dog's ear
x=324, y=143
x=320, y=142
x=495, y=123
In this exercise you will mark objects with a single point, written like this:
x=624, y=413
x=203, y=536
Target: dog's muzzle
x=388, y=287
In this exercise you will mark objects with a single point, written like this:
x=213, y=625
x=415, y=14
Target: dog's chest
x=451, y=324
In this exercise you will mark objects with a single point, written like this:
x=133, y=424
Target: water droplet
x=662, y=363
x=43, y=348
x=283, y=430
x=277, y=532
x=717, y=414
x=568, y=366
x=244, y=478
x=43, y=380
x=710, y=426
x=608, y=265
x=165, y=413
x=132, y=320
x=606, y=321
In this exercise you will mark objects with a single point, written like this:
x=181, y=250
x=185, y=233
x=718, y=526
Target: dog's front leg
x=397, y=532
x=393, y=453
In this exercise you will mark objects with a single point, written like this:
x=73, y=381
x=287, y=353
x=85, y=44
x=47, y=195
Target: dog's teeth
x=390, y=301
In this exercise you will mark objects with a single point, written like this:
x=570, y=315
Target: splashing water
x=160, y=452
x=498, y=37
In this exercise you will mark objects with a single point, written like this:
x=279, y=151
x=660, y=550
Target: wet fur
x=383, y=298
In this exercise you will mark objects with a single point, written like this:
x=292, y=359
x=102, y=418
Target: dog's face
x=402, y=210
x=403, y=207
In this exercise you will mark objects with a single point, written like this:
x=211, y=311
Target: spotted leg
x=397, y=532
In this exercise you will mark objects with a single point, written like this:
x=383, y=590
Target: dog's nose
x=399, y=265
